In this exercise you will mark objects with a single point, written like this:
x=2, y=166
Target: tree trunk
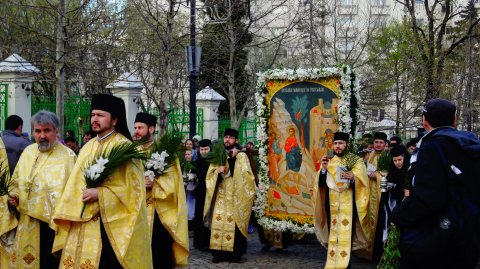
x=60, y=64
x=398, y=101
x=235, y=119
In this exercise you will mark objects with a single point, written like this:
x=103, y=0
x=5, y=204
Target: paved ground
x=308, y=254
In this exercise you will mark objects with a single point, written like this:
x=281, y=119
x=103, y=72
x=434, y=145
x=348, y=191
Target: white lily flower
x=150, y=175
x=101, y=161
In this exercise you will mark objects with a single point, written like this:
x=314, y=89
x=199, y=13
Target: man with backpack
x=439, y=222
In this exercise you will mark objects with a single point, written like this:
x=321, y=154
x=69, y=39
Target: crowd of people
x=53, y=216
x=428, y=191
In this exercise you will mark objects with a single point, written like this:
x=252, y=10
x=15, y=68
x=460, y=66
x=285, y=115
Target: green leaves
x=116, y=156
x=218, y=155
x=391, y=254
x=5, y=179
x=299, y=107
x=384, y=161
x=186, y=165
x=350, y=158
x=171, y=142
x=100, y=169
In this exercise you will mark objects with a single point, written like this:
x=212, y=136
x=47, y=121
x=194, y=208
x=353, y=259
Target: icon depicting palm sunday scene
x=299, y=112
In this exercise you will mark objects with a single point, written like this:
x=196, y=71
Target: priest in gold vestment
x=38, y=183
x=8, y=222
x=377, y=212
x=341, y=205
x=113, y=230
x=166, y=205
x=228, y=202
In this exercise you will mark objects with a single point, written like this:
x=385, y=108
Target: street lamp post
x=193, y=63
x=194, y=54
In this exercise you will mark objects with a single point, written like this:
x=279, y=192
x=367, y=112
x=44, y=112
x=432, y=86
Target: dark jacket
x=201, y=234
x=14, y=145
x=400, y=178
x=432, y=183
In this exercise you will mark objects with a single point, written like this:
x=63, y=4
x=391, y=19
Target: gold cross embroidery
x=29, y=183
x=29, y=187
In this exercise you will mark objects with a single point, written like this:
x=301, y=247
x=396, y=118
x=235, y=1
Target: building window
x=379, y=2
x=380, y=21
x=346, y=2
x=378, y=114
x=344, y=21
x=346, y=44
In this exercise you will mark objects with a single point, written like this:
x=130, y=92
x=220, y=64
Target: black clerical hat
x=380, y=135
x=397, y=139
x=148, y=119
x=116, y=107
x=341, y=136
x=205, y=143
x=230, y=132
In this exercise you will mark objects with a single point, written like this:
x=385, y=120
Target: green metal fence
x=179, y=120
x=3, y=104
x=76, y=108
x=247, y=131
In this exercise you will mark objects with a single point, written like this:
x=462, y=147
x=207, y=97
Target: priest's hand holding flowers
x=161, y=156
x=156, y=165
x=149, y=177
x=92, y=174
x=90, y=195
x=100, y=169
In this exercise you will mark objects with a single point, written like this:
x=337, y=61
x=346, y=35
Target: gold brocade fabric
x=274, y=238
x=338, y=240
x=373, y=159
x=168, y=199
x=121, y=208
x=231, y=203
x=38, y=181
x=374, y=204
x=8, y=222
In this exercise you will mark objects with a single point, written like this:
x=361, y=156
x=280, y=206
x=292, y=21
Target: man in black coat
x=201, y=234
x=445, y=197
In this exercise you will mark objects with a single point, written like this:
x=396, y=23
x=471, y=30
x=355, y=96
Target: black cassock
x=201, y=234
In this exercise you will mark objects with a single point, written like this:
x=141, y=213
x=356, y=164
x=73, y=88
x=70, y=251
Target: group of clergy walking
x=50, y=219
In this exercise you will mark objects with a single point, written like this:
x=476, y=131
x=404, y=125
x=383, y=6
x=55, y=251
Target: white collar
x=105, y=136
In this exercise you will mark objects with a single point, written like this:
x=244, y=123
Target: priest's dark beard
x=340, y=154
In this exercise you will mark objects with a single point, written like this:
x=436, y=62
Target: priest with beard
x=166, y=211
x=228, y=202
x=201, y=234
x=340, y=205
x=39, y=180
x=112, y=230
